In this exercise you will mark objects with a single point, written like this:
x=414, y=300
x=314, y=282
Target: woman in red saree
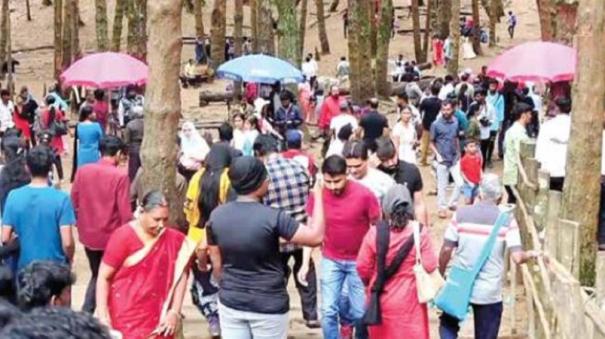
x=143, y=275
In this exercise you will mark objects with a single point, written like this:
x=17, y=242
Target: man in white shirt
x=309, y=70
x=448, y=87
x=551, y=146
x=356, y=154
x=343, y=70
x=7, y=108
x=486, y=114
x=336, y=124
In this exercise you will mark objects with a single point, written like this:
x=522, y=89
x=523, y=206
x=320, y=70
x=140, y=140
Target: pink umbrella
x=106, y=70
x=535, y=61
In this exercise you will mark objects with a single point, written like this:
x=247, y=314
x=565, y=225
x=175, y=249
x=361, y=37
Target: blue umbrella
x=259, y=68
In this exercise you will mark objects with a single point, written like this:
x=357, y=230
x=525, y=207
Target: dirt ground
x=35, y=71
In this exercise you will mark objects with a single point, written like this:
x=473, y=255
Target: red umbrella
x=106, y=70
x=535, y=61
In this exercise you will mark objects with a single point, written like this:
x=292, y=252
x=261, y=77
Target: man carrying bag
x=479, y=234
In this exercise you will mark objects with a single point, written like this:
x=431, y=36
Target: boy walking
x=470, y=167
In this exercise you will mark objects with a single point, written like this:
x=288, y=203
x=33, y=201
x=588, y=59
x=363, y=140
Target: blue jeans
x=487, y=322
x=334, y=275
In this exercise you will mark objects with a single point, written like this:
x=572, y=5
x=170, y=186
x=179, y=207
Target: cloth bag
x=427, y=284
x=454, y=298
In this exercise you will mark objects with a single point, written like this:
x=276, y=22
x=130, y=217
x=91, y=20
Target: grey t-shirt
x=247, y=234
x=468, y=231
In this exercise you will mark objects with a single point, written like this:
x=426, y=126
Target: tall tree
x=287, y=31
x=101, y=25
x=362, y=80
x=118, y=21
x=254, y=24
x=9, y=56
x=218, y=31
x=334, y=6
x=302, y=30
x=452, y=65
x=419, y=53
x=163, y=101
x=58, y=42
x=581, y=201
x=321, y=27
x=4, y=30
x=492, y=12
x=28, y=10
x=68, y=19
x=476, y=37
x=427, y=28
x=47, y=3
x=444, y=16
x=264, y=27
x=75, y=31
x=137, y=28
x=198, y=6
x=382, y=54
x=353, y=47
x=238, y=27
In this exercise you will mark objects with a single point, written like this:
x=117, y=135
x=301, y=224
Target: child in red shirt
x=470, y=166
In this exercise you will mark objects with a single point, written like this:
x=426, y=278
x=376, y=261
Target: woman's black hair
x=85, y=113
x=400, y=217
x=217, y=160
x=39, y=281
x=99, y=94
x=153, y=199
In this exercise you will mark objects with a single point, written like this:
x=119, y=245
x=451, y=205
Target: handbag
x=373, y=315
x=454, y=298
x=427, y=284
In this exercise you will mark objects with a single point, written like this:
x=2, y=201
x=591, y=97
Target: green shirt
x=512, y=144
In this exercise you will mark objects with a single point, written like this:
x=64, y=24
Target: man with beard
x=404, y=173
x=329, y=109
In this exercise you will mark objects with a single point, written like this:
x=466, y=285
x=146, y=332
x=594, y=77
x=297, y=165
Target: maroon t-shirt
x=348, y=217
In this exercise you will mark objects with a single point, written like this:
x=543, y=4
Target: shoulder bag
x=427, y=284
x=454, y=298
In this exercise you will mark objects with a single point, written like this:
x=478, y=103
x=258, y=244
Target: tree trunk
x=264, y=27
x=141, y=42
x=452, y=65
x=118, y=18
x=217, y=33
x=9, y=56
x=302, y=30
x=131, y=14
x=199, y=14
x=493, y=20
x=321, y=28
x=565, y=22
x=75, y=30
x=163, y=101
x=373, y=30
x=545, y=12
x=101, y=25
x=68, y=19
x=581, y=201
x=4, y=31
x=287, y=31
x=238, y=23
x=362, y=79
x=28, y=10
x=47, y=3
x=427, y=30
x=254, y=25
x=58, y=42
x=334, y=6
x=418, y=52
x=382, y=55
x=476, y=37
x=444, y=16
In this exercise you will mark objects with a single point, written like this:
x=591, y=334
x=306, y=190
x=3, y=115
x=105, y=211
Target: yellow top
x=192, y=212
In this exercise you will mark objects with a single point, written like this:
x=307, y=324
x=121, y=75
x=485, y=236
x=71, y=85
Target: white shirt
x=551, y=146
x=343, y=69
x=445, y=91
x=489, y=112
x=6, y=115
x=378, y=182
x=308, y=70
x=239, y=139
x=336, y=124
x=406, y=135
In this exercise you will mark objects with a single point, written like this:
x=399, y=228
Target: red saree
x=139, y=293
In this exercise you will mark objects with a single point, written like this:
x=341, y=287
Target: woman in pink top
x=101, y=108
x=438, y=58
x=400, y=309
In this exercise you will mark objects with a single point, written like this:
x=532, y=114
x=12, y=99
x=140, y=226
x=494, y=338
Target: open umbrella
x=106, y=70
x=259, y=68
x=535, y=61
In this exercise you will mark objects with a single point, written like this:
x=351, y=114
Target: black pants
x=94, y=260
x=511, y=31
x=556, y=183
x=505, y=126
x=511, y=197
x=487, y=322
x=134, y=160
x=308, y=294
x=58, y=165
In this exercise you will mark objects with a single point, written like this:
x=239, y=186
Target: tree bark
x=581, y=190
x=382, y=55
x=75, y=30
x=47, y=3
x=493, y=20
x=142, y=30
x=238, y=23
x=163, y=101
x=287, y=31
x=254, y=25
x=137, y=28
x=565, y=22
x=302, y=30
x=373, y=30
x=264, y=27
x=334, y=6
x=28, y=10
x=321, y=28
x=58, y=42
x=452, y=65
x=476, y=37
x=427, y=30
x=444, y=16
x=361, y=78
x=101, y=25
x=118, y=18
x=217, y=33
x=418, y=52
x=131, y=14
x=4, y=31
x=9, y=56
x=198, y=13
x=68, y=19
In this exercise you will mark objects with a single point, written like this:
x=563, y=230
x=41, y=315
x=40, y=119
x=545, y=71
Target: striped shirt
x=468, y=232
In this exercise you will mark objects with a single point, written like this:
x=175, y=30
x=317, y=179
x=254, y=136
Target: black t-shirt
x=429, y=109
x=373, y=124
x=406, y=174
x=247, y=234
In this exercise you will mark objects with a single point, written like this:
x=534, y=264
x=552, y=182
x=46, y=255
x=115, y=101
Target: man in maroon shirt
x=350, y=209
x=100, y=195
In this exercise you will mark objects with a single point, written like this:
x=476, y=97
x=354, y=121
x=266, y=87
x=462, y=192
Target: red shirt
x=329, y=109
x=303, y=158
x=100, y=195
x=470, y=165
x=348, y=217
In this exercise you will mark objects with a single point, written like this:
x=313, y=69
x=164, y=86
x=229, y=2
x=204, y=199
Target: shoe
x=442, y=214
x=214, y=327
x=312, y=324
x=346, y=332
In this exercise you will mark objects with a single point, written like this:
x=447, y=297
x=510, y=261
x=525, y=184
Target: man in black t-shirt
x=429, y=109
x=404, y=173
x=374, y=125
